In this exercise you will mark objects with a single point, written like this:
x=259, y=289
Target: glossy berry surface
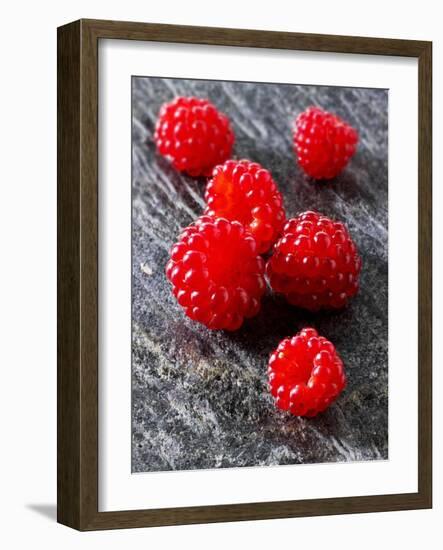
x=315, y=264
x=244, y=191
x=193, y=135
x=323, y=143
x=216, y=274
x=305, y=374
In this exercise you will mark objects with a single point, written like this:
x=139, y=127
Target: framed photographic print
x=244, y=275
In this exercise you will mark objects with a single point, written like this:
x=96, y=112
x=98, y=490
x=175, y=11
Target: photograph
x=244, y=274
x=259, y=274
x=220, y=288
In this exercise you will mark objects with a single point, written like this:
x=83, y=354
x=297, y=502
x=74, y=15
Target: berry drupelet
x=315, y=264
x=323, y=143
x=194, y=135
x=245, y=192
x=216, y=274
x=305, y=374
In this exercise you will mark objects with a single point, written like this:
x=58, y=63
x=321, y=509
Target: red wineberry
x=194, y=135
x=244, y=191
x=305, y=374
x=216, y=274
x=315, y=264
x=323, y=143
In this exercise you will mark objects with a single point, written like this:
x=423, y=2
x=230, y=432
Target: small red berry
x=323, y=143
x=315, y=264
x=244, y=191
x=305, y=374
x=216, y=274
x=194, y=135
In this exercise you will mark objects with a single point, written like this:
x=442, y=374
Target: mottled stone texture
x=200, y=398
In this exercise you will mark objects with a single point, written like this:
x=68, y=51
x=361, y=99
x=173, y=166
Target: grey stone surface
x=200, y=398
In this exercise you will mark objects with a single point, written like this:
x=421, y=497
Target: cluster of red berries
x=216, y=269
x=196, y=136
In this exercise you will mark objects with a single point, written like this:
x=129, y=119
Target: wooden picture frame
x=78, y=276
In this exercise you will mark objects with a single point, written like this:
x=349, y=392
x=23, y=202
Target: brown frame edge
x=77, y=316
